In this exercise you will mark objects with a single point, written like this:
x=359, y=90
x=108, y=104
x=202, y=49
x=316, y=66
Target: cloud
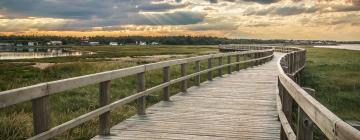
x=84, y=15
x=213, y=26
x=263, y=1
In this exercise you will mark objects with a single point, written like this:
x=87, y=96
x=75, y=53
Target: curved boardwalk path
x=237, y=106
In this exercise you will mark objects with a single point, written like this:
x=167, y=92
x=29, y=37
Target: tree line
x=166, y=40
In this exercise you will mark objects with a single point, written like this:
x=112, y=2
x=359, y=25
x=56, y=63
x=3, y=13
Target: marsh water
x=30, y=53
x=342, y=46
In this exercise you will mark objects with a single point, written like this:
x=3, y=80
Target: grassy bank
x=16, y=120
x=334, y=74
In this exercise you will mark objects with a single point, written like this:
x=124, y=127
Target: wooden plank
x=19, y=95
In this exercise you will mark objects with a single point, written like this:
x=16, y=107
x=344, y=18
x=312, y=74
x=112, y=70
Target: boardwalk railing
x=309, y=109
x=39, y=94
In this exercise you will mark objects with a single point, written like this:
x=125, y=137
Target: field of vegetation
x=334, y=74
x=16, y=120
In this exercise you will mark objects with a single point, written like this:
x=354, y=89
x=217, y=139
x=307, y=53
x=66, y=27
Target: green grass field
x=334, y=74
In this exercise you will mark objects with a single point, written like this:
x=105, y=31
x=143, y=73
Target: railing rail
x=39, y=93
x=309, y=109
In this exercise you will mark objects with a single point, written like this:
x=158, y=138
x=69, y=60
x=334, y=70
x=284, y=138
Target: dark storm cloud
x=96, y=13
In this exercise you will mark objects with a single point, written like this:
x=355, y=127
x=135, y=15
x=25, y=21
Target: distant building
x=32, y=43
x=154, y=43
x=94, y=43
x=84, y=40
x=141, y=43
x=55, y=43
x=113, y=44
x=6, y=44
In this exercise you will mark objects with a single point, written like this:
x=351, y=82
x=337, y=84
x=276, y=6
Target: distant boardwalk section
x=241, y=105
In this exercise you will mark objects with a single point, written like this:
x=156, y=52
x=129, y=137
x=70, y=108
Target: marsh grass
x=335, y=75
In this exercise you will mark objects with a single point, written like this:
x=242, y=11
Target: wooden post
x=140, y=88
x=166, y=78
x=281, y=92
x=184, y=82
x=220, y=64
x=209, y=67
x=305, y=125
x=238, y=60
x=104, y=100
x=197, y=69
x=287, y=103
x=229, y=61
x=41, y=114
x=289, y=63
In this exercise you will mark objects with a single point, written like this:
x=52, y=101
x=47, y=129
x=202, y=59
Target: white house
x=55, y=43
x=94, y=43
x=154, y=43
x=142, y=43
x=6, y=44
x=32, y=43
x=113, y=43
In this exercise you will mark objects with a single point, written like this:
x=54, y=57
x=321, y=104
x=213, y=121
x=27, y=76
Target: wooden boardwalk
x=237, y=106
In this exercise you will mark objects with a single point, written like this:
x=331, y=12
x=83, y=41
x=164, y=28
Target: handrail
x=290, y=65
x=39, y=93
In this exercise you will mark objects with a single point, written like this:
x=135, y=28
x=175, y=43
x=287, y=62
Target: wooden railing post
x=197, y=69
x=287, y=103
x=229, y=67
x=166, y=78
x=141, y=87
x=209, y=67
x=220, y=64
x=305, y=125
x=183, y=73
x=104, y=119
x=257, y=62
x=41, y=114
x=238, y=60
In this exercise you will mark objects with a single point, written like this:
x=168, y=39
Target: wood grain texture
x=230, y=107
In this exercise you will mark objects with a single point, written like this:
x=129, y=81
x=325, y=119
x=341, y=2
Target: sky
x=260, y=19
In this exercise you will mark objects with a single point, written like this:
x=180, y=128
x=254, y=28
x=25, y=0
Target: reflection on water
x=342, y=46
x=28, y=53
